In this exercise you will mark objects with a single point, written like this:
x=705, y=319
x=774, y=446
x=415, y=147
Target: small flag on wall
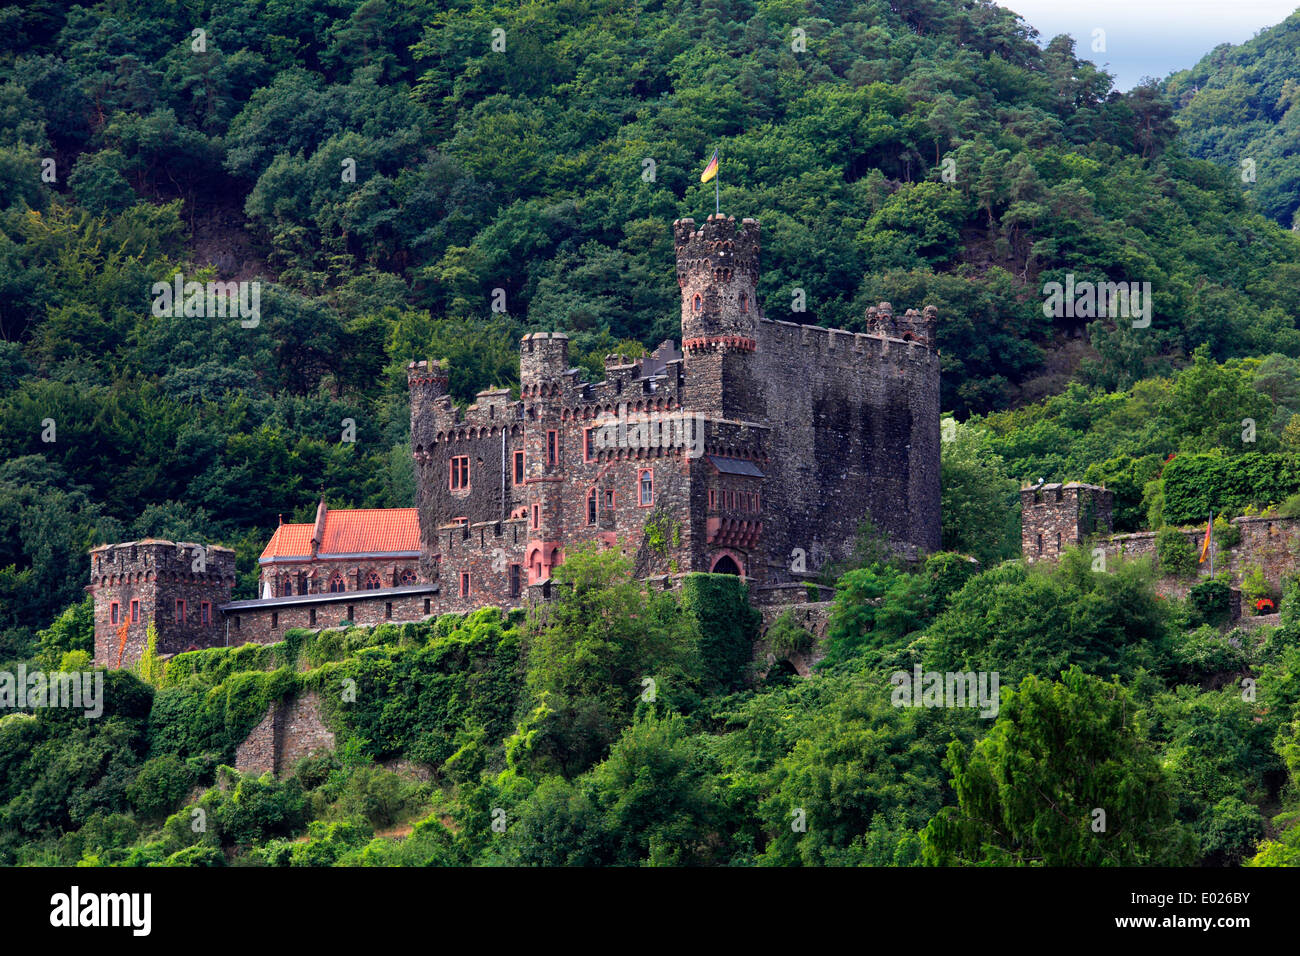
x=710, y=170
x=1205, y=548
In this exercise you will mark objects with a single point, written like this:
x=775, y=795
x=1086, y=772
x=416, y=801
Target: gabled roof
x=363, y=531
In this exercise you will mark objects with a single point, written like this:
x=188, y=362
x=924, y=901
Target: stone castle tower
x=1055, y=517
x=717, y=271
x=176, y=587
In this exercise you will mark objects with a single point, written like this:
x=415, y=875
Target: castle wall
x=290, y=731
x=1271, y=544
x=854, y=431
x=265, y=621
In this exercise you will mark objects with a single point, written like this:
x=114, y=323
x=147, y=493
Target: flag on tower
x=710, y=170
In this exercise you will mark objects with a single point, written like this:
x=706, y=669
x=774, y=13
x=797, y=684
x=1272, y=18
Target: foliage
x=1065, y=778
x=1175, y=553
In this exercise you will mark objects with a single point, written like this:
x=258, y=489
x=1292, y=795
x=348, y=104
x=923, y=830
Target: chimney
x=318, y=532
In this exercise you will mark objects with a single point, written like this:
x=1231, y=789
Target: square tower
x=1054, y=517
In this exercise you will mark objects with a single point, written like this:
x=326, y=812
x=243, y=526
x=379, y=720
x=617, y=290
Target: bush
x=785, y=637
x=1177, y=555
x=160, y=785
x=1211, y=602
x=1226, y=534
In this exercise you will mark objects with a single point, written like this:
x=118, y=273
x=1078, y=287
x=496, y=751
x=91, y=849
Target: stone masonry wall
x=290, y=731
x=264, y=622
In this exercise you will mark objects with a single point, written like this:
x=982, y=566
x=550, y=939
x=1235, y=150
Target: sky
x=1150, y=37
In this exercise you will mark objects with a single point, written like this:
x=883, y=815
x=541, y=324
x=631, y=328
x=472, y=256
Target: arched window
x=744, y=302
x=336, y=583
x=372, y=582
x=696, y=303
x=406, y=577
x=591, y=506
x=286, y=586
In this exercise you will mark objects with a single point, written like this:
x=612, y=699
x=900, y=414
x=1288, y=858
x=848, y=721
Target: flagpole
x=717, y=186
x=1211, y=544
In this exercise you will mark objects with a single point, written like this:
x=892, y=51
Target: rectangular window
x=459, y=477
x=135, y=612
x=537, y=517
x=647, y=483
x=588, y=445
x=113, y=610
x=350, y=612
x=552, y=448
x=464, y=584
x=275, y=620
x=205, y=612
x=237, y=622
x=180, y=612
x=712, y=497
x=519, y=468
x=515, y=573
x=609, y=499
x=312, y=616
x=388, y=610
x=591, y=506
x=427, y=603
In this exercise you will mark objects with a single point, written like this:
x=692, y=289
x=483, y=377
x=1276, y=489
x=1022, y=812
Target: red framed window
x=336, y=584
x=372, y=582
x=519, y=468
x=408, y=577
x=696, y=303
x=588, y=444
x=552, y=447
x=180, y=611
x=591, y=506
x=205, y=612
x=135, y=612
x=458, y=480
x=646, y=483
x=114, y=611
x=464, y=584
x=537, y=517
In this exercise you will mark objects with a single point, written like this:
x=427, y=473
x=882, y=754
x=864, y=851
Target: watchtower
x=175, y=586
x=717, y=270
x=1054, y=517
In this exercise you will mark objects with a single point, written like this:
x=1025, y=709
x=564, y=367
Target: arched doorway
x=726, y=565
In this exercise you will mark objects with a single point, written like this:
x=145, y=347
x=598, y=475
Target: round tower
x=717, y=270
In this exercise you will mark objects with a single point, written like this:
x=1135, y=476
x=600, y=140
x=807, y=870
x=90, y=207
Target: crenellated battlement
x=720, y=248
x=846, y=348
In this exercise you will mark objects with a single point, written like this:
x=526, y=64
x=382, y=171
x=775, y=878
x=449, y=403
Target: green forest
x=392, y=171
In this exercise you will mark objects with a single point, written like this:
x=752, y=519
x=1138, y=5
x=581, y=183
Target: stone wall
x=291, y=730
x=1272, y=544
x=265, y=621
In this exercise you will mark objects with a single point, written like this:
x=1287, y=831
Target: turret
x=717, y=270
x=543, y=358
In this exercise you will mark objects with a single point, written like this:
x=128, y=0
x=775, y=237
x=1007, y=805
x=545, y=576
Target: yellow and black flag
x=710, y=170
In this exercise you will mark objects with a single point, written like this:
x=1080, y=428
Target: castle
x=757, y=449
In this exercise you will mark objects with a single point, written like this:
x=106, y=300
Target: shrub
x=785, y=637
x=1226, y=534
x=1177, y=555
x=1211, y=602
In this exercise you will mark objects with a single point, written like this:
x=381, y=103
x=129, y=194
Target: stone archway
x=726, y=564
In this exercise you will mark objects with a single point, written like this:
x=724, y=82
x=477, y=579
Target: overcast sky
x=1150, y=37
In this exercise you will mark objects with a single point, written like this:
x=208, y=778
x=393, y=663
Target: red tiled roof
x=363, y=531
